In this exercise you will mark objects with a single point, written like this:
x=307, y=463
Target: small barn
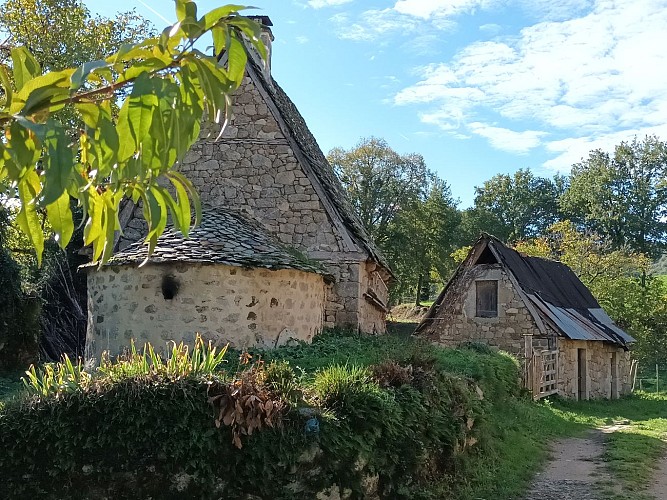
x=230, y=281
x=538, y=310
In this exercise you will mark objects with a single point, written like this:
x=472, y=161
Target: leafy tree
x=169, y=85
x=408, y=211
x=18, y=311
x=379, y=182
x=616, y=279
x=421, y=242
x=623, y=196
x=62, y=34
x=517, y=207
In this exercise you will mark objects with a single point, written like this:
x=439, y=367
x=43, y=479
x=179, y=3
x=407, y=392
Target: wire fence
x=651, y=379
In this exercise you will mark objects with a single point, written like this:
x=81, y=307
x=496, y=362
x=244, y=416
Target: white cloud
x=573, y=150
x=490, y=28
x=506, y=139
x=596, y=77
x=440, y=8
x=318, y=4
x=373, y=24
x=301, y=39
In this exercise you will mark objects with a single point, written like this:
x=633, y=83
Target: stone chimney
x=266, y=37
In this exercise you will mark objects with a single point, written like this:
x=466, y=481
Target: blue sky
x=478, y=87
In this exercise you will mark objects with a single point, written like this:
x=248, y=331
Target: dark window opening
x=487, y=257
x=170, y=287
x=487, y=299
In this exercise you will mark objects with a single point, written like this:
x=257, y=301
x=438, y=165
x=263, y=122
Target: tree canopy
x=519, y=206
x=168, y=87
x=405, y=207
x=62, y=34
x=623, y=196
x=616, y=277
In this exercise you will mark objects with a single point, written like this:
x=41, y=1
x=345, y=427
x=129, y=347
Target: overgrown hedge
x=359, y=412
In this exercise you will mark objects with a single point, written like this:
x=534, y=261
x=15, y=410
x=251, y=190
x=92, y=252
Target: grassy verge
x=517, y=447
x=512, y=433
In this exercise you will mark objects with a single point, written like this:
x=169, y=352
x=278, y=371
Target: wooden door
x=582, y=374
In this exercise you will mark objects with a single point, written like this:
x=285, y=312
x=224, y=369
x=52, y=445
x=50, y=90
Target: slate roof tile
x=223, y=237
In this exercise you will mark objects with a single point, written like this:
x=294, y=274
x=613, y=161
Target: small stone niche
x=170, y=287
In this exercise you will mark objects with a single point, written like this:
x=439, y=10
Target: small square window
x=487, y=298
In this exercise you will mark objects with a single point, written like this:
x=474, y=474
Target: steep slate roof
x=223, y=237
x=305, y=141
x=554, y=294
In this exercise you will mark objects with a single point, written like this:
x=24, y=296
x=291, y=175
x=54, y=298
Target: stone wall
x=599, y=358
x=372, y=316
x=456, y=321
x=254, y=168
x=243, y=307
x=347, y=305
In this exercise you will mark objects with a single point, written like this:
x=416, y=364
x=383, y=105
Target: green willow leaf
x=182, y=210
x=59, y=163
x=252, y=31
x=212, y=17
x=110, y=223
x=48, y=91
x=59, y=216
x=237, y=59
x=25, y=66
x=172, y=205
x=194, y=195
x=79, y=76
x=93, y=228
x=102, y=136
x=23, y=145
x=27, y=218
x=134, y=119
x=186, y=9
x=6, y=86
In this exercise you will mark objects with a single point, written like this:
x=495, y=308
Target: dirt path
x=573, y=470
x=658, y=488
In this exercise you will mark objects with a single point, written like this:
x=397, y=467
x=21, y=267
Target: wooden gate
x=542, y=373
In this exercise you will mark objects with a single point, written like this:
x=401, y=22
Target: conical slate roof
x=223, y=237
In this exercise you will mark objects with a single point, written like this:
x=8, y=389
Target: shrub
x=144, y=427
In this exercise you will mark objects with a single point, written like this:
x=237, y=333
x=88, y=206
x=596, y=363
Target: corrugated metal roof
x=560, y=297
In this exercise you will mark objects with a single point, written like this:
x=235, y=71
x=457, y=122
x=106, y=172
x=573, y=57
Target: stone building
x=230, y=281
x=268, y=168
x=538, y=310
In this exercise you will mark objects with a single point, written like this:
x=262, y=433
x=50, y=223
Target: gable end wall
x=455, y=321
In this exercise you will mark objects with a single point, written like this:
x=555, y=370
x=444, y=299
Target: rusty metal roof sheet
x=581, y=324
x=560, y=297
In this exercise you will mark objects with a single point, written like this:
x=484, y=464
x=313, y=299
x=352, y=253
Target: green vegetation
x=408, y=211
x=166, y=87
x=430, y=422
x=348, y=406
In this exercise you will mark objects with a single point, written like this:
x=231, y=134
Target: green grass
x=517, y=447
x=516, y=431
